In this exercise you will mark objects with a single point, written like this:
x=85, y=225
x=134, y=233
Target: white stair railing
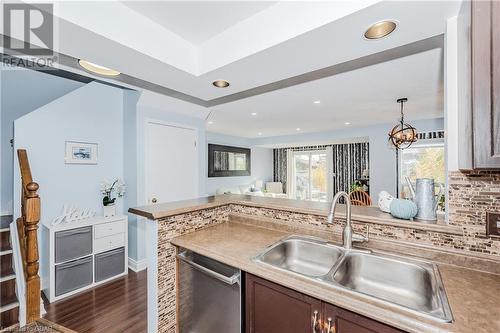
x=18, y=268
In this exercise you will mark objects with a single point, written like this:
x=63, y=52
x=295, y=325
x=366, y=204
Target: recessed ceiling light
x=253, y=113
x=380, y=29
x=297, y=129
x=259, y=134
x=317, y=102
x=221, y=83
x=210, y=122
x=97, y=69
x=347, y=123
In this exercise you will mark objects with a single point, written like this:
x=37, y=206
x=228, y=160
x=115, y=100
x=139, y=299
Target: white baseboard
x=137, y=265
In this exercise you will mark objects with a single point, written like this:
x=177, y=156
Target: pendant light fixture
x=403, y=134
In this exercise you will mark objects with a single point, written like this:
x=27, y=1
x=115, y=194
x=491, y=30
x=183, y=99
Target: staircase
x=9, y=305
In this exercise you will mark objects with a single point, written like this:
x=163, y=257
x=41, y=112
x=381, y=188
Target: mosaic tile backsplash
x=169, y=228
x=471, y=195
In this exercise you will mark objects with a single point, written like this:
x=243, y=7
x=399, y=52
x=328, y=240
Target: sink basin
x=412, y=284
x=302, y=255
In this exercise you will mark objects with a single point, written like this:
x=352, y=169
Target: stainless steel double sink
x=408, y=283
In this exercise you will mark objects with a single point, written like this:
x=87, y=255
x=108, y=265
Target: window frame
x=429, y=143
x=423, y=144
x=308, y=152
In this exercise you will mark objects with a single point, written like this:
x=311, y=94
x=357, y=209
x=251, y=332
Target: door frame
x=148, y=121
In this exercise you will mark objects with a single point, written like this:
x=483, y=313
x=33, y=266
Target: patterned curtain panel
x=279, y=162
x=349, y=162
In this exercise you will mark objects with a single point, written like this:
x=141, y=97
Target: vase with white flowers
x=111, y=191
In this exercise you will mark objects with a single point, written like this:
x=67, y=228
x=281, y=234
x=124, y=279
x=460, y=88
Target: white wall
x=171, y=111
x=92, y=113
x=458, y=113
x=382, y=157
x=261, y=163
x=130, y=148
x=22, y=91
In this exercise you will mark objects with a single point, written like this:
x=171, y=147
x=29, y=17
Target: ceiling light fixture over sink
x=380, y=29
x=97, y=69
x=403, y=134
x=221, y=83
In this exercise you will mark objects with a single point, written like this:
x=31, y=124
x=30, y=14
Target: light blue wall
x=92, y=113
x=261, y=163
x=22, y=91
x=382, y=158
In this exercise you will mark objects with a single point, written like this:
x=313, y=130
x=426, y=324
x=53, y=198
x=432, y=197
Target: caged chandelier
x=402, y=135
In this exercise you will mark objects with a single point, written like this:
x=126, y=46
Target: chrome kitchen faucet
x=348, y=235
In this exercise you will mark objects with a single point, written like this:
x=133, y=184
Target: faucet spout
x=347, y=232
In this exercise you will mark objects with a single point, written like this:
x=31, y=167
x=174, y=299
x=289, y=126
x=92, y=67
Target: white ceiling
x=362, y=97
x=277, y=42
x=197, y=21
x=184, y=46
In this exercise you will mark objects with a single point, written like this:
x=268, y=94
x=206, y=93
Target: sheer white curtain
x=329, y=172
x=290, y=174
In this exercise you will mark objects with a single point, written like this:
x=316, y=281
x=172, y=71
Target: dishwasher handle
x=235, y=278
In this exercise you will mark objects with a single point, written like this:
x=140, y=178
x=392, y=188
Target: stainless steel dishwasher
x=209, y=295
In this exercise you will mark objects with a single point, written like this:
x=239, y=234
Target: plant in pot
x=356, y=186
x=111, y=191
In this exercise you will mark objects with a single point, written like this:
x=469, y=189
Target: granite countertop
x=473, y=295
x=370, y=214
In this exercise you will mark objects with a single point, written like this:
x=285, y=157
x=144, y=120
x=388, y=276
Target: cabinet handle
x=154, y=200
x=331, y=329
x=315, y=321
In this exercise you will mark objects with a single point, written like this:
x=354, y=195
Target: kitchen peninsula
x=233, y=229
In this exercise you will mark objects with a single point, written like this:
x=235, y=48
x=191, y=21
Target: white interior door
x=171, y=163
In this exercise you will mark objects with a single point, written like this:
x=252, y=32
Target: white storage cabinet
x=85, y=254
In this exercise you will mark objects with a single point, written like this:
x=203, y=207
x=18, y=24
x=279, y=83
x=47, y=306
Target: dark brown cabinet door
x=485, y=27
x=337, y=320
x=271, y=308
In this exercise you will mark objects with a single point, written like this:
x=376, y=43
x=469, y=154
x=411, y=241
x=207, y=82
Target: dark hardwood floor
x=118, y=306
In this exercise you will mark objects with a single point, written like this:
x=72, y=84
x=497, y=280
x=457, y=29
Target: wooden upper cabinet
x=485, y=72
x=271, y=308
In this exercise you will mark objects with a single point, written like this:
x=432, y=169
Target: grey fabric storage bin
x=109, y=264
x=73, y=243
x=73, y=275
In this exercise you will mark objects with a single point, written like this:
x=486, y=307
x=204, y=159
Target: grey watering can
x=423, y=195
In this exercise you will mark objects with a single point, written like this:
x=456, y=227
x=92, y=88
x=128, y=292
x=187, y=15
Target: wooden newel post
x=30, y=210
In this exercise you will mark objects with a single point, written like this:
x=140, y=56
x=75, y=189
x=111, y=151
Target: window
x=422, y=161
x=310, y=176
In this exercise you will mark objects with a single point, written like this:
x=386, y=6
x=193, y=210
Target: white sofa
x=241, y=189
x=273, y=190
